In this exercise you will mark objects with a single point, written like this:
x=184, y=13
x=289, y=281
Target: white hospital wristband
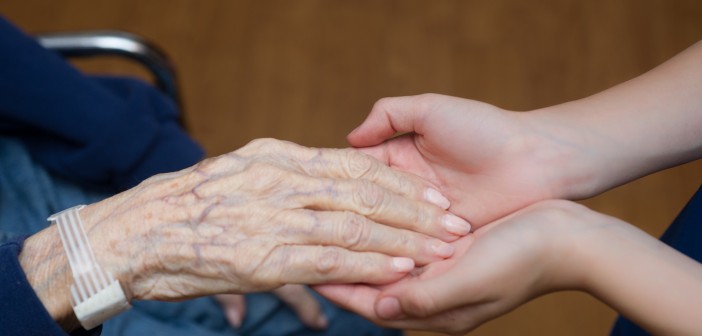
x=95, y=294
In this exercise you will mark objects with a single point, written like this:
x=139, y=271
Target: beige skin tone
x=494, y=165
x=549, y=246
x=269, y=214
x=490, y=162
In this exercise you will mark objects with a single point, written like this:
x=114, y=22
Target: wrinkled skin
x=266, y=215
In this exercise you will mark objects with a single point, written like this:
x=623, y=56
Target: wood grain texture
x=308, y=71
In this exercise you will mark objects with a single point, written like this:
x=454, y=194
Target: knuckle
x=263, y=142
x=353, y=230
x=382, y=103
x=359, y=165
x=329, y=261
x=368, y=197
x=207, y=166
x=405, y=186
x=419, y=304
x=262, y=146
x=422, y=217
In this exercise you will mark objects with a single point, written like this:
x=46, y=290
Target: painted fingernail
x=442, y=249
x=435, y=197
x=402, y=264
x=388, y=308
x=456, y=225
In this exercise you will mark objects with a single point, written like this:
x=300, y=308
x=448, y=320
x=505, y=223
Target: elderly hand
x=266, y=215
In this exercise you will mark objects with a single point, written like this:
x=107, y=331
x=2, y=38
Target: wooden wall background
x=309, y=71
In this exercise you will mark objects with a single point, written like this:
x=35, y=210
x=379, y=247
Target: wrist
x=45, y=263
x=47, y=271
x=599, y=240
x=566, y=155
x=569, y=233
x=112, y=238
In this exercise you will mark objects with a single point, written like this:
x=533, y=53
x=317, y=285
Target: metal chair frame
x=117, y=43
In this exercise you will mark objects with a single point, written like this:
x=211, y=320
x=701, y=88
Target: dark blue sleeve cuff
x=21, y=311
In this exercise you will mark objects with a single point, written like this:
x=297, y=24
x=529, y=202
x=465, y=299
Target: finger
x=456, y=321
x=403, y=154
x=358, y=298
x=379, y=152
x=355, y=232
x=390, y=116
x=350, y=163
x=381, y=205
x=299, y=264
x=361, y=299
x=304, y=304
x=234, y=307
x=422, y=298
x=283, y=161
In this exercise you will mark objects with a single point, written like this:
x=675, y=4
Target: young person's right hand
x=488, y=161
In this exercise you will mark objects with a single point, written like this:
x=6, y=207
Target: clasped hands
x=382, y=230
x=507, y=173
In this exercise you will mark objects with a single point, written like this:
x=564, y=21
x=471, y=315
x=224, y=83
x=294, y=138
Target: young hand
x=487, y=160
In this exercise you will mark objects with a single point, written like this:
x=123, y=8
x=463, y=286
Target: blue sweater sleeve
x=101, y=131
x=21, y=311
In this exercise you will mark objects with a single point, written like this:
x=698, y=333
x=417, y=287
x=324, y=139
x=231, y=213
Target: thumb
x=390, y=116
x=419, y=299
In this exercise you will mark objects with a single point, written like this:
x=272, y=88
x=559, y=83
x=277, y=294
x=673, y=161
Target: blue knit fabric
x=100, y=131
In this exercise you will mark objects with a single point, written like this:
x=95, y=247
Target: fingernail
x=442, y=249
x=388, y=308
x=456, y=225
x=402, y=264
x=435, y=197
x=321, y=322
